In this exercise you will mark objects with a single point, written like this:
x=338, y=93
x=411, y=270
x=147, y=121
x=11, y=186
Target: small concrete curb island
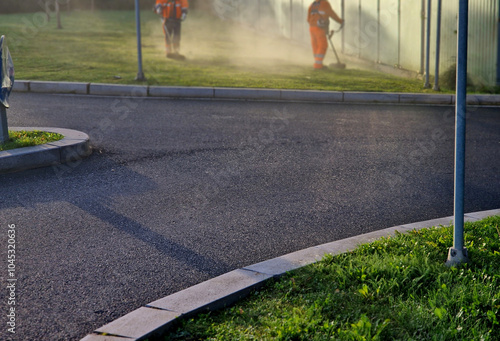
x=158, y=316
x=74, y=146
x=246, y=94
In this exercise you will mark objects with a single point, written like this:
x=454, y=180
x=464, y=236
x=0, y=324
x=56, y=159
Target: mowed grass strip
x=20, y=139
x=393, y=289
x=101, y=47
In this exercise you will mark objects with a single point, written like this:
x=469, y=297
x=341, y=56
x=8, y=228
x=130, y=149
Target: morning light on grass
x=396, y=288
x=20, y=139
x=101, y=47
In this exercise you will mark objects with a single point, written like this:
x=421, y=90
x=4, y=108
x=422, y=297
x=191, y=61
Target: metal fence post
x=458, y=253
x=4, y=131
x=428, y=45
x=438, y=46
x=140, y=73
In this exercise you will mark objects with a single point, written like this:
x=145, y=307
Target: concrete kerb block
x=29, y=157
x=59, y=87
x=483, y=214
x=483, y=99
x=256, y=94
x=140, y=323
x=98, y=337
x=21, y=86
x=118, y=90
x=371, y=97
x=213, y=294
x=425, y=99
x=311, y=95
x=446, y=221
x=74, y=146
x=181, y=92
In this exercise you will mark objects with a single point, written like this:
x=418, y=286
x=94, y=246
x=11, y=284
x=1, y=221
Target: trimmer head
x=337, y=65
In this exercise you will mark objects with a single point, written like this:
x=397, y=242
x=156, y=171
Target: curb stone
x=222, y=291
x=74, y=146
x=248, y=94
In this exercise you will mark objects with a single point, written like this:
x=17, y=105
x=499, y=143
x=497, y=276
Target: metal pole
x=438, y=46
x=458, y=253
x=378, y=31
x=399, y=34
x=4, y=132
x=140, y=74
x=342, y=9
x=498, y=49
x=428, y=44
x=422, y=38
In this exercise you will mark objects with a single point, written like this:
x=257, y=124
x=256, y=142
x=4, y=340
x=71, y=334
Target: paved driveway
x=179, y=191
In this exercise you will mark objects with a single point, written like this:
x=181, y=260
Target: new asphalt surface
x=180, y=191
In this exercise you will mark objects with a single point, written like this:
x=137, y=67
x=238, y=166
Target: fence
x=390, y=32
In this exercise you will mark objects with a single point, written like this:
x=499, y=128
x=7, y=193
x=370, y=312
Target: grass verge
x=396, y=288
x=20, y=139
x=101, y=47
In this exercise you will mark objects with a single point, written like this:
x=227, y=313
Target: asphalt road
x=180, y=191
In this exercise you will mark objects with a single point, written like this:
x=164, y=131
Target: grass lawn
x=393, y=289
x=101, y=47
x=20, y=139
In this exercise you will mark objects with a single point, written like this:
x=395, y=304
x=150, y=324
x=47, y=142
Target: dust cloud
x=210, y=40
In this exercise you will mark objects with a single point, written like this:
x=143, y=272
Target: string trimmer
x=337, y=65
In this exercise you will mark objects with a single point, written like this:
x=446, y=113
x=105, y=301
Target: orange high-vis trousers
x=319, y=45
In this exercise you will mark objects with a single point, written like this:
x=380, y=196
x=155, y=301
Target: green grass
x=20, y=139
x=101, y=47
x=393, y=289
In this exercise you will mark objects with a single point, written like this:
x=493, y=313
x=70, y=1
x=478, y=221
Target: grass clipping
x=21, y=139
x=394, y=289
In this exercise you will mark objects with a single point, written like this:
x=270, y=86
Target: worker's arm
x=331, y=13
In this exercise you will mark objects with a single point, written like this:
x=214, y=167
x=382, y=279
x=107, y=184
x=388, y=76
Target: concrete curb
x=74, y=146
x=158, y=316
x=247, y=94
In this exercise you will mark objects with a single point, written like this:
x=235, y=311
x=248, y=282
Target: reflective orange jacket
x=321, y=11
x=173, y=9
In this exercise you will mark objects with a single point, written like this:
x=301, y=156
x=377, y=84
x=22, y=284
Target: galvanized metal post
x=342, y=9
x=428, y=45
x=378, y=31
x=438, y=46
x=4, y=131
x=140, y=73
x=422, y=38
x=458, y=253
x=498, y=48
x=399, y=33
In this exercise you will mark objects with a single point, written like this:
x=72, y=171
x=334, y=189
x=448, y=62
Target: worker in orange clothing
x=173, y=12
x=318, y=17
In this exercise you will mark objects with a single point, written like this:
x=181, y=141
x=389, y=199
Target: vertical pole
x=342, y=9
x=378, y=31
x=4, y=132
x=92, y=6
x=399, y=33
x=428, y=45
x=360, y=29
x=498, y=46
x=458, y=253
x=140, y=74
x=438, y=46
x=422, y=38
x=291, y=19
